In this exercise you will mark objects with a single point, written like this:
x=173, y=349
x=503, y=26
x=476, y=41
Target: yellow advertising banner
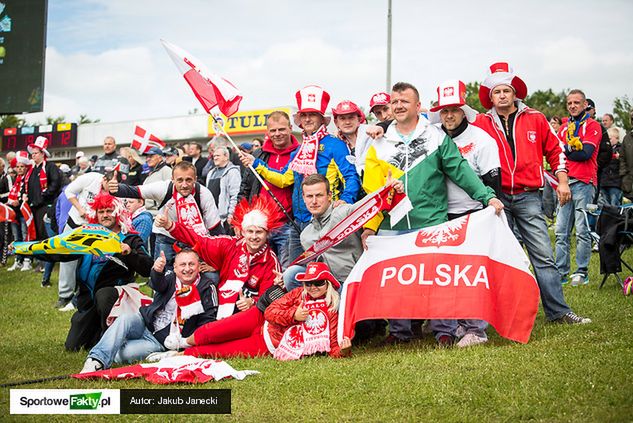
x=246, y=122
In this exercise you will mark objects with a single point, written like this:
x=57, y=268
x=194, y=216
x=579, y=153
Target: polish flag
x=468, y=268
x=211, y=90
x=143, y=140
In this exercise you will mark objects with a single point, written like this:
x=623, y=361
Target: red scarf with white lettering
x=309, y=337
x=305, y=160
x=43, y=180
x=229, y=290
x=188, y=301
x=14, y=194
x=188, y=212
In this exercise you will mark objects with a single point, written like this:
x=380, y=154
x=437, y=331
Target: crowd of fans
x=216, y=235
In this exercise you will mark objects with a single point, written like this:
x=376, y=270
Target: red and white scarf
x=14, y=194
x=305, y=160
x=306, y=338
x=188, y=213
x=188, y=301
x=229, y=290
x=43, y=180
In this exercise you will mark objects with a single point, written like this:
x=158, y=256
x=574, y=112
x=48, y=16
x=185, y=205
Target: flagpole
x=219, y=129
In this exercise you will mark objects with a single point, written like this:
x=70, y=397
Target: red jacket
x=533, y=139
x=587, y=170
x=223, y=253
x=280, y=316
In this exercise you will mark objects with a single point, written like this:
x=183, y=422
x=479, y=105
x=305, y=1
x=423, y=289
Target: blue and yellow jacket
x=332, y=161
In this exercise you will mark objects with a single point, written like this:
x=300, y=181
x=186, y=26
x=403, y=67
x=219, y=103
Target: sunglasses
x=318, y=284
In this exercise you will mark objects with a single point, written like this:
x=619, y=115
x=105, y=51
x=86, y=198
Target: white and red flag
x=143, y=140
x=467, y=268
x=383, y=199
x=177, y=369
x=211, y=90
x=7, y=214
x=27, y=214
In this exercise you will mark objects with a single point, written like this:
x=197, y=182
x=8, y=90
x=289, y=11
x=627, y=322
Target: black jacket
x=610, y=176
x=164, y=285
x=251, y=186
x=38, y=198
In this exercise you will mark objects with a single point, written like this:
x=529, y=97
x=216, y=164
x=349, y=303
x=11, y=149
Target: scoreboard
x=59, y=135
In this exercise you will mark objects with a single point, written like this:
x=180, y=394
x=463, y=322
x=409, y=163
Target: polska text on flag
x=468, y=268
x=143, y=140
x=211, y=90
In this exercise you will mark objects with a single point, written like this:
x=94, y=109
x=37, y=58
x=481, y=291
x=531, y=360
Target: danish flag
x=143, y=140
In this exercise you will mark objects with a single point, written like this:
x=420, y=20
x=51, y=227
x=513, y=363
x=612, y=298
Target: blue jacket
x=332, y=161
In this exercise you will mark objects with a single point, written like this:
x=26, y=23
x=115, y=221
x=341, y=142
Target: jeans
x=278, y=240
x=570, y=213
x=611, y=196
x=166, y=245
x=525, y=210
x=67, y=276
x=290, y=277
x=550, y=200
x=127, y=340
x=294, y=241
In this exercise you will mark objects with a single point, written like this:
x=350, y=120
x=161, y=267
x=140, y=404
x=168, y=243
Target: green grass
x=565, y=373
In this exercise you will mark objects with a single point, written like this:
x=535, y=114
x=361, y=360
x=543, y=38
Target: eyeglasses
x=318, y=284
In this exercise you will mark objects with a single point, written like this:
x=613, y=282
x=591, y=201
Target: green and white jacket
x=422, y=164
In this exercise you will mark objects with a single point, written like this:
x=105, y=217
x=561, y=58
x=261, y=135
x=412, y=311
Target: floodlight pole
x=388, y=89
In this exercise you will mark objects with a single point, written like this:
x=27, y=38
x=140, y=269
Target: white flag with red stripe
x=467, y=268
x=211, y=90
x=143, y=140
x=177, y=369
x=27, y=214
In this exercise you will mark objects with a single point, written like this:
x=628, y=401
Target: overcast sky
x=104, y=57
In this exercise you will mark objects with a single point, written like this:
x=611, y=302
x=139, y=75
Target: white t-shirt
x=85, y=188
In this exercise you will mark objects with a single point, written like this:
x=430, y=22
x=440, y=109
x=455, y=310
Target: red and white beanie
x=379, y=99
x=312, y=99
x=347, y=107
x=501, y=74
x=452, y=94
x=40, y=143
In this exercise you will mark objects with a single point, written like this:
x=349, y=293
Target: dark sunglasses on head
x=314, y=283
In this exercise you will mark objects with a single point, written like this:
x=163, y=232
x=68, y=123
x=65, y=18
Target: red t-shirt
x=586, y=171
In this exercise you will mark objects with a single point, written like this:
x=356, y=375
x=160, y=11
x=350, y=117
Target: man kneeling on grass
x=183, y=301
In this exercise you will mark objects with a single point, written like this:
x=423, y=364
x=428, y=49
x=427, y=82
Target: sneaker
x=16, y=265
x=564, y=280
x=46, y=284
x=62, y=302
x=26, y=266
x=572, y=318
x=578, y=279
x=393, y=340
x=68, y=307
x=445, y=341
x=91, y=365
x=470, y=340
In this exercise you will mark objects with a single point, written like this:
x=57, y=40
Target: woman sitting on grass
x=300, y=323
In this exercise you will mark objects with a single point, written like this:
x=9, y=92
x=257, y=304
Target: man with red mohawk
x=98, y=277
x=246, y=264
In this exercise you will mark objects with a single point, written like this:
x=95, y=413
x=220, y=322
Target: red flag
x=31, y=233
x=177, y=369
x=467, y=268
x=384, y=199
x=551, y=179
x=143, y=140
x=211, y=90
x=7, y=214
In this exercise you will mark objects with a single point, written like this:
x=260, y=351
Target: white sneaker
x=16, y=265
x=91, y=365
x=68, y=307
x=460, y=332
x=26, y=266
x=175, y=342
x=470, y=340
